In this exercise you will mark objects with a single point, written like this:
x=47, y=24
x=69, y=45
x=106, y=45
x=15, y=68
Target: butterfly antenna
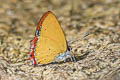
x=84, y=36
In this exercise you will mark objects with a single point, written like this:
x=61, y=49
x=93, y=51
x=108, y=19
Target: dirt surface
x=92, y=29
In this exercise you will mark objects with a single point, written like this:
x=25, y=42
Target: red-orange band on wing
x=42, y=19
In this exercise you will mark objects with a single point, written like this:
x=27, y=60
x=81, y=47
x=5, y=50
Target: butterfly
x=49, y=44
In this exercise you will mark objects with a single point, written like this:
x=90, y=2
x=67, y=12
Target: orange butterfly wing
x=51, y=41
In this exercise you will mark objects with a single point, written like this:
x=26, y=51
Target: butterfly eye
x=69, y=48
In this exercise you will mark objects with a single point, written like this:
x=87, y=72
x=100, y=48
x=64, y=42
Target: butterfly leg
x=72, y=57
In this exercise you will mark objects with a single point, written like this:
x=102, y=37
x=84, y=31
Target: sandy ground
x=92, y=29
